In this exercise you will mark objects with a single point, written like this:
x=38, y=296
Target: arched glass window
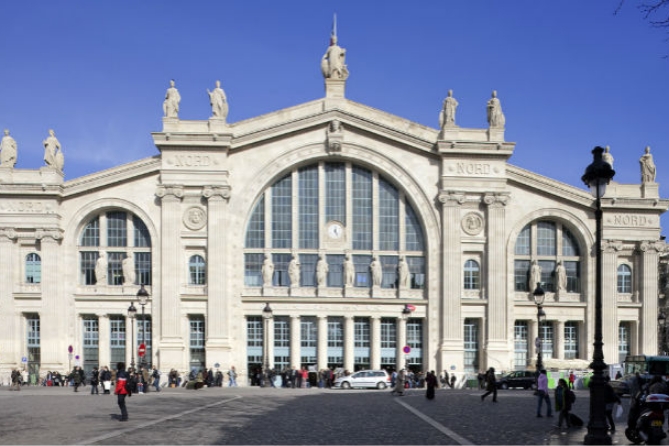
x=197, y=271
x=339, y=208
x=106, y=241
x=547, y=242
x=33, y=268
x=624, y=279
x=472, y=275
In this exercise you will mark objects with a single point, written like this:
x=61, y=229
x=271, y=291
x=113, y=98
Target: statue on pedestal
x=535, y=276
x=377, y=271
x=447, y=115
x=294, y=272
x=53, y=155
x=128, y=266
x=172, y=100
x=403, y=273
x=333, y=64
x=101, y=270
x=322, y=270
x=496, y=118
x=267, y=271
x=647, y=167
x=607, y=157
x=219, y=102
x=8, y=151
x=349, y=271
x=561, y=275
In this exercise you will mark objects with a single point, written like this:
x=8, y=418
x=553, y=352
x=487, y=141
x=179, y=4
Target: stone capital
x=53, y=234
x=495, y=199
x=216, y=191
x=451, y=198
x=8, y=233
x=612, y=245
x=163, y=191
x=650, y=246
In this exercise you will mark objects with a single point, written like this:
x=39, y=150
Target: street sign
x=24, y=360
x=406, y=349
x=217, y=365
x=141, y=351
x=70, y=349
x=411, y=308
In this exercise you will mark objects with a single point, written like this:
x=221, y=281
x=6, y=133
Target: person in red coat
x=120, y=390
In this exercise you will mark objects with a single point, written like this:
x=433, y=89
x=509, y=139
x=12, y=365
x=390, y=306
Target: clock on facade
x=335, y=230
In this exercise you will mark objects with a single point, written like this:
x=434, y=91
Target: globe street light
x=143, y=296
x=539, y=296
x=597, y=175
x=267, y=316
x=405, y=315
x=132, y=311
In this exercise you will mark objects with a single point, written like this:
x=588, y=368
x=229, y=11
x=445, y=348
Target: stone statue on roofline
x=647, y=167
x=219, y=102
x=447, y=115
x=333, y=63
x=8, y=151
x=53, y=154
x=172, y=100
x=496, y=118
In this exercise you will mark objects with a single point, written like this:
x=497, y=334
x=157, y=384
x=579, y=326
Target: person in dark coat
x=611, y=399
x=78, y=377
x=121, y=390
x=95, y=381
x=563, y=402
x=491, y=385
x=432, y=383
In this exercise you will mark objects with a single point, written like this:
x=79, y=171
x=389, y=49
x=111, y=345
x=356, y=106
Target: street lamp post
x=597, y=175
x=132, y=311
x=539, y=296
x=406, y=311
x=142, y=297
x=267, y=316
x=662, y=322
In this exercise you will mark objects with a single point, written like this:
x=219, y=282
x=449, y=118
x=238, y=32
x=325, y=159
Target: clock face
x=335, y=230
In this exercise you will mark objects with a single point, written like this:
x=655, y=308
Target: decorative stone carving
x=9, y=233
x=377, y=271
x=472, y=223
x=53, y=154
x=101, y=269
x=403, y=272
x=128, y=267
x=213, y=191
x=447, y=198
x=561, y=275
x=333, y=64
x=495, y=199
x=267, y=271
x=612, y=245
x=335, y=136
x=349, y=271
x=647, y=167
x=294, y=271
x=8, y=151
x=447, y=115
x=322, y=269
x=656, y=246
x=218, y=101
x=535, y=276
x=496, y=118
x=195, y=218
x=164, y=191
x=55, y=234
x=171, y=103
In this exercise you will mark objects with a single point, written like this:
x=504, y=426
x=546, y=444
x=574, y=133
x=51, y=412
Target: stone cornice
x=109, y=177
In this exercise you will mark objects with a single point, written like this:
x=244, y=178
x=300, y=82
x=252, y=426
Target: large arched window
x=548, y=242
x=33, y=268
x=624, y=279
x=115, y=249
x=340, y=209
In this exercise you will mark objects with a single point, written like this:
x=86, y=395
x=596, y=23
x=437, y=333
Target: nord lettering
x=474, y=168
x=632, y=220
x=192, y=160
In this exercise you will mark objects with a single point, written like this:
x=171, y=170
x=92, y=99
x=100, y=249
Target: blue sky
x=570, y=74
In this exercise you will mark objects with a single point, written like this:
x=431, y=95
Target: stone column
x=9, y=319
x=648, y=292
x=171, y=343
x=499, y=316
x=104, y=341
x=375, y=343
x=269, y=337
x=54, y=316
x=322, y=350
x=401, y=342
x=349, y=336
x=558, y=340
x=219, y=348
x=295, y=342
x=610, y=251
x=451, y=349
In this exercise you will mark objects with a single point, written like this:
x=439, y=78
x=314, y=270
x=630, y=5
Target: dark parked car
x=525, y=379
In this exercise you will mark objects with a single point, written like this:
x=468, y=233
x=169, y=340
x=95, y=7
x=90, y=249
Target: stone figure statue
x=7, y=151
x=128, y=266
x=496, y=118
x=322, y=269
x=349, y=271
x=101, y=269
x=403, y=272
x=377, y=271
x=447, y=115
x=535, y=275
x=561, y=275
x=333, y=64
x=647, y=167
x=171, y=103
x=607, y=157
x=219, y=103
x=267, y=271
x=294, y=272
x=53, y=155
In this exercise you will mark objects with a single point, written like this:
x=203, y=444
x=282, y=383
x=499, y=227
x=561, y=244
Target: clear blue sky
x=570, y=74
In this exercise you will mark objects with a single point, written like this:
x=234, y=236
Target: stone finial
x=496, y=118
x=8, y=151
x=172, y=100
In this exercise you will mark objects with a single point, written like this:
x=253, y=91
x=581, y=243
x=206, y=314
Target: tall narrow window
x=117, y=338
x=415, y=341
x=117, y=229
x=34, y=340
x=281, y=343
x=571, y=340
x=623, y=341
x=388, y=217
x=546, y=335
x=197, y=271
x=308, y=207
x=335, y=192
x=335, y=270
x=389, y=343
x=335, y=342
x=361, y=343
x=33, y=268
x=624, y=279
x=281, y=269
x=414, y=233
x=308, y=341
x=389, y=268
x=255, y=234
x=520, y=345
x=91, y=338
x=546, y=238
x=362, y=208
x=471, y=344
x=472, y=275
x=196, y=342
x=282, y=203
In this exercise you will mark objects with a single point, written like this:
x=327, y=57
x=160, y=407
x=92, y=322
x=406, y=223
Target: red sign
x=141, y=350
x=411, y=307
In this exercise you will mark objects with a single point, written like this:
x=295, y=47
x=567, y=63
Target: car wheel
x=504, y=386
x=381, y=386
x=346, y=385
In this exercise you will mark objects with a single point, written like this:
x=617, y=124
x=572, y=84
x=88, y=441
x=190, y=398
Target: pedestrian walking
x=563, y=401
x=155, y=374
x=232, y=376
x=122, y=389
x=77, y=376
x=399, y=384
x=16, y=380
x=491, y=385
x=431, y=383
x=95, y=381
x=542, y=394
x=611, y=399
x=572, y=379
x=106, y=378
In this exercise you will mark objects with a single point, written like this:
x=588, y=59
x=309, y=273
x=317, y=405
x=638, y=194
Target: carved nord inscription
x=466, y=168
x=631, y=220
x=191, y=160
x=25, y=206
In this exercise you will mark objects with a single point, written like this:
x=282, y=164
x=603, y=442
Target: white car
x=378, y=379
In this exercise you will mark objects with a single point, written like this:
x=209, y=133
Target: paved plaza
x=56, y=415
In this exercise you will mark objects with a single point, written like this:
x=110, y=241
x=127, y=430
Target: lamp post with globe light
x=539, y=296
x=142, y=297
x=597, y=175
x=267, y=317
x=132, y=312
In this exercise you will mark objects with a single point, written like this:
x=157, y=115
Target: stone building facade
x=365, y=233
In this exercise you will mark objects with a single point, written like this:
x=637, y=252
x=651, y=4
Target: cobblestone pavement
x=56, y=415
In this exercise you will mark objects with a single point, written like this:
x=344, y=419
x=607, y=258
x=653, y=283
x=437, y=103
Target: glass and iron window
x=34, y=347
x=117, y=338
x=196, y=342
x=33, y=268
x=335, y=341
x=308, y=340
x=546, y=335
x=471, y=344
x=91, y=338
x=308, y=207
x=197, y=271
x=520, y=335
x=571, y=340
x=281, y=342
x=623, y=341
x=472, y=275
x=547, y=242
x=415, y=341
x=389, y=342
x=118, y=234
x=624, y=279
